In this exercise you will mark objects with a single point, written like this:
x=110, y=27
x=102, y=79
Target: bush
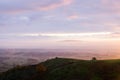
x=41, y=68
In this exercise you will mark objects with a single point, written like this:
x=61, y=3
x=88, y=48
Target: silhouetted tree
x=94, y=58
x=56, y=57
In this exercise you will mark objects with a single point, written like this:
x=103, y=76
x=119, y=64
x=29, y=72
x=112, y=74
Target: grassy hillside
x=66, y=69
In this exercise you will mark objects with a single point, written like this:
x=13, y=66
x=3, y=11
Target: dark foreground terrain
x=66, y=69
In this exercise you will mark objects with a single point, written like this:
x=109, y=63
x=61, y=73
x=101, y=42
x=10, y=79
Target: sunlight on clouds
x=67, y=2
x=73, y=35
x=93, y=36
x=19, y=7
x=91, y=24
x=72, y=17
x=64, y=34
x=112, y=5
x=93, y=41
x=55, y=5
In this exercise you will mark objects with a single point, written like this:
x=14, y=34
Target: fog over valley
x=10, y=58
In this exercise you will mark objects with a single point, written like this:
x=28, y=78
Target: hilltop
x=66, y=69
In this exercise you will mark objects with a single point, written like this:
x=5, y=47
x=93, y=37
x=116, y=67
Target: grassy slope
x=66, y=69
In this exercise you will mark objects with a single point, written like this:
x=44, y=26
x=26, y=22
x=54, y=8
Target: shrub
x=41, y=68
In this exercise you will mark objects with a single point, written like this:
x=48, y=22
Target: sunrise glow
x=69, y=24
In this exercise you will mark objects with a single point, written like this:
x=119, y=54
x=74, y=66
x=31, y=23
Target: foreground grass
x=66, y=69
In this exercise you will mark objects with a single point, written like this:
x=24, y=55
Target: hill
x=66, y=69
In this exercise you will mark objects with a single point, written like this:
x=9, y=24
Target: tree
x=94, y=58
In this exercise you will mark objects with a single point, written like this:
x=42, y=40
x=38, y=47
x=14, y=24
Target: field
x=66, y=69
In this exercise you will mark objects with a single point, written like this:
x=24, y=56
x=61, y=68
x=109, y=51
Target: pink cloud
x=54, y=5
x=112, y=25
x=19, y=11
x=37, y=6
x=111, y=4
x=67, y=2
x=74, y=16
x=115, y=36
x=115, y=28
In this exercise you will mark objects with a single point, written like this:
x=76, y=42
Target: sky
x=66, y=24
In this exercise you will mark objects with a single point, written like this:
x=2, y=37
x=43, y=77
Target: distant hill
x=66, y=69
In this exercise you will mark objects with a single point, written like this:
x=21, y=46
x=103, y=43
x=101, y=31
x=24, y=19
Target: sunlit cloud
x=64, y=34
x=60, y=22
x=55, y=5
x=68, y=37
x=112, y=6
x=111, y=3
x=87, y=36
x=72, y=17
x=112, y=25
x=116, y=35
x=32, y=6
x=19, y=11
